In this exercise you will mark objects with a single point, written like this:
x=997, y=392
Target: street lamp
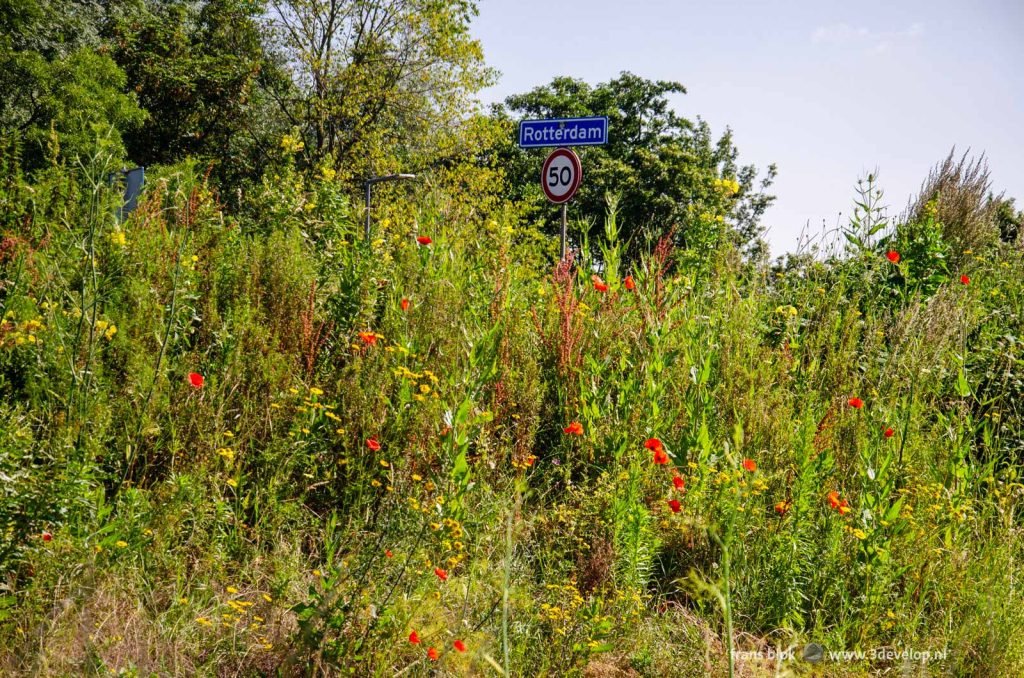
x=369, y=187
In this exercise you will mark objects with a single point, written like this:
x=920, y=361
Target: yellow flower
x=231, y=589
x=315, y=391
x=327, y=174
x=228, y=434
x=203, y=621
x=121, y=544
x=111, y=331
x=268, y=598
x=417, y=477
x=227, y=453
x=117, y=238
x=317, y=573
x=232, y=482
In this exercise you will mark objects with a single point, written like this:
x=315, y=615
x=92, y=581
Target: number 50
x=558, y=176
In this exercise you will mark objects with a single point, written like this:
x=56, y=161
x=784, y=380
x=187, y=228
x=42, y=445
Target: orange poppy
x=574, y=429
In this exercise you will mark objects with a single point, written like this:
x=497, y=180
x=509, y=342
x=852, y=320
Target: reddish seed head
x=855, y=403
x=674, y=505
x=433, y=654
x=196, y=379
x=573, y=429
x=678, y=482
x=889, y=433
x=373, y=444
x=893, y=256
x=750, y=465
x=965, y=280
x=414, y=638
x=424, y=240
x=404, y=304
x=459, y=645
x=628, y=282
x=47, y=536
x=441, y=574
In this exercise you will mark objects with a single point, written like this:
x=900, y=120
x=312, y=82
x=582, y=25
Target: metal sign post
x=560, y=178
x=561, y=174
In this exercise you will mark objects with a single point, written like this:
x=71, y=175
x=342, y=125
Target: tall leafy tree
x=669, y=173
x=200, y=70
x=378, y=85
x=57, y=84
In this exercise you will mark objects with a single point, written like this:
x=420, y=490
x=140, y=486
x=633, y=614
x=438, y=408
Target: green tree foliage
x=53, y=76
x=669, y=172
x=378, y=85
x=198, y=69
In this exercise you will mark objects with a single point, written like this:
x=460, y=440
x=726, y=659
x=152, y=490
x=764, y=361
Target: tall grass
x=444, y=442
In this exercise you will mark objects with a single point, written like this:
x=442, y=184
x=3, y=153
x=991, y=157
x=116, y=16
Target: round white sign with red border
x=560, y=177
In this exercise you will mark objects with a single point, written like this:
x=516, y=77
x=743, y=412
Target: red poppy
x=889, y=433
x=678, y=482
x=782, y=507
x=750, y=465
x=433, y=654
x=372, y=443
x=46, y=536
x=674, y=505
x=653, y=444
x=838, y=504
x=405, y=304
x=196, y=379
x=388, y=554
x=660, y=457
x=441, y=574
x=628, y=282
x=893, y=256
x=855, y=403
x=414, y=638
x=459, y=645
x=573, y=429
x=965, y=280
x=599, y=285
x=424, y=240
x=369, y=338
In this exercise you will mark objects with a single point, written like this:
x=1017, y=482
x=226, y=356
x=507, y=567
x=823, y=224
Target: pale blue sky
x=827, y=90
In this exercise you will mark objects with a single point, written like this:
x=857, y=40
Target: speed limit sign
x=560, y=176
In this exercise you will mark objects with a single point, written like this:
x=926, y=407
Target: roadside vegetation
x=237, y=437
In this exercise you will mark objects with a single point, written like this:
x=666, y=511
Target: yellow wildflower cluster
x=20, y=333
x=107, y=329
x=561, y=615
x=117, y=238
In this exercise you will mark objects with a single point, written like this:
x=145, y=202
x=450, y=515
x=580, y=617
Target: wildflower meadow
x=240, y=437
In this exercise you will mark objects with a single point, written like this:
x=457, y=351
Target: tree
x=55, y=82
x=669, y=173
x=200, y=70
x=378, y=85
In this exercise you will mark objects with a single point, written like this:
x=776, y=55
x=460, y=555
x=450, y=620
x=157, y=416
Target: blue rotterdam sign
x=563, y=132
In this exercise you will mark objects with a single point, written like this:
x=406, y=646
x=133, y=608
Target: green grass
x=249, y=526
